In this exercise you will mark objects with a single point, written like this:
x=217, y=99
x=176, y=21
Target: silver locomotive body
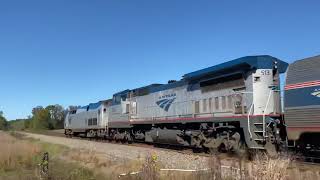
x=224, y=106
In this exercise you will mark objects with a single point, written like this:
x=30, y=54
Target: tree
x=41, y=118
x=3, y=122
x=28, y=123
x=17, y=125
x=51, y=117
x=57, y=114
x=36, y=110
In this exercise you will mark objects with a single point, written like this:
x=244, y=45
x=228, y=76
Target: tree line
x=42, y=118
x=3, y=122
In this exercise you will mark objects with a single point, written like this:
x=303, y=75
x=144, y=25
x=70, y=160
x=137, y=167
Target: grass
x=267, y=168
x=261, y=168
x=19, y=159
x=16, y=154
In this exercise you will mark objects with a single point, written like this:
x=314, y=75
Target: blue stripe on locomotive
x=92, y=106
x=302, y=97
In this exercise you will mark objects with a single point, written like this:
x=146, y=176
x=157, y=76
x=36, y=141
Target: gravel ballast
x=169, y=159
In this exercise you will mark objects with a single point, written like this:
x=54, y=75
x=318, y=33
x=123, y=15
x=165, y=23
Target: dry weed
x=214, y=165
x=88, y=157
x=266, y=168
x=150, y=169
x=15, y=154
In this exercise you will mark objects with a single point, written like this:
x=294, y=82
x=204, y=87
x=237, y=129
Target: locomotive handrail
x=250, y=111
x=264, y=115
x=264, y=112
x=249, y=120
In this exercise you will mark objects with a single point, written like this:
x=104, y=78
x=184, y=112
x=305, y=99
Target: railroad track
x=162, y=147
x=302, y=160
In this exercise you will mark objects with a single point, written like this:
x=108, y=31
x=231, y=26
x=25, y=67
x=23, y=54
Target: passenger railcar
x=302, y=104
x=224, y=107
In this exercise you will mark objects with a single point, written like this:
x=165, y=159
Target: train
x=230, y=107
x=302, y=105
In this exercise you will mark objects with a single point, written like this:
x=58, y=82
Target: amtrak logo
x=316, y=93
x=166, y=101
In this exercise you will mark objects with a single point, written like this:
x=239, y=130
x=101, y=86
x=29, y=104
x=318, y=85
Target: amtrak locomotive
x=228, y=107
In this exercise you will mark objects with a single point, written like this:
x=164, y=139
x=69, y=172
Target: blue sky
x=80, y=51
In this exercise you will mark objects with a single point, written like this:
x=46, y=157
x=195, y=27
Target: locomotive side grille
x=304, y=70
x=303, y=117
x=232, y=81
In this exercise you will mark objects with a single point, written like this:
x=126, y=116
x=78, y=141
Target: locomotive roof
x=243, y=63
x=92, y=105
x=237, y=65
x=304, y=70
x=148, y=88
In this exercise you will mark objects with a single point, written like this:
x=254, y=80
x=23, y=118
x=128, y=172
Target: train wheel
x=213, y=145
x=129, y=139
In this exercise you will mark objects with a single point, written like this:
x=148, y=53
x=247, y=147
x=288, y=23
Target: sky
x=73, y=52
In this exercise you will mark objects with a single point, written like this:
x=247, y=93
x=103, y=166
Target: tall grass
x=261, y=168
x=150, y=169
x=269, y=169
x=20, y=159
x=15, y=154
